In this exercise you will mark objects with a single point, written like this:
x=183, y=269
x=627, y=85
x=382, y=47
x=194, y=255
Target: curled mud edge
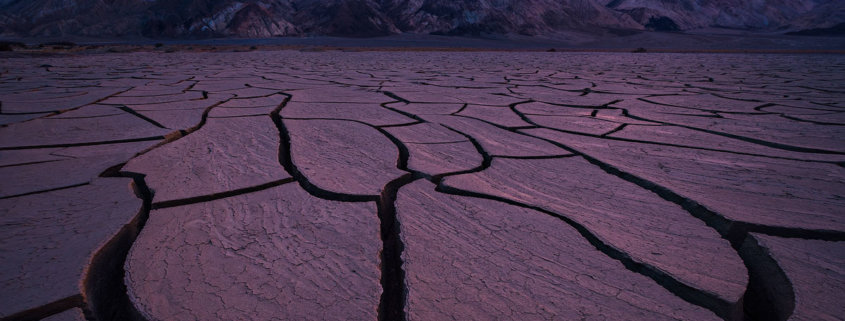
x=104, y=290
x=768, y=290
x=770, y=295
x=104, y=293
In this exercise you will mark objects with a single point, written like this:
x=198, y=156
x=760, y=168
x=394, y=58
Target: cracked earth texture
x=285, y=185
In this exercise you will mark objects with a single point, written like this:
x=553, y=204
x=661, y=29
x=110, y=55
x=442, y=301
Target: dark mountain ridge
x=365, y=18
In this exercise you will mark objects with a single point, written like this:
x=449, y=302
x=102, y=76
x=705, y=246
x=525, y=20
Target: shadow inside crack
x=770, y=295
x=105, y=293
x=393, y=297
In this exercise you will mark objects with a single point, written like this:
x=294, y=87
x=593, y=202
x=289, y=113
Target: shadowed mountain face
x=749, y=14
x=363, y=18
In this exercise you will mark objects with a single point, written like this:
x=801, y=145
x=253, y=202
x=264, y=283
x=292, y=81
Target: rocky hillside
x=363, y=18
x=733, y=14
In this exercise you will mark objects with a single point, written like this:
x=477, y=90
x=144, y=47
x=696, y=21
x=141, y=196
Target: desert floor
x=294, y=185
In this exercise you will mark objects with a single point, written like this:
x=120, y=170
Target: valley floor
x=271, y=185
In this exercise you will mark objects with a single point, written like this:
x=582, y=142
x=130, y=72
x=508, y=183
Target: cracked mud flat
x=422, y=186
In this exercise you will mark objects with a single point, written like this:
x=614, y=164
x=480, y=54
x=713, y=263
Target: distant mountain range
x=364, y=18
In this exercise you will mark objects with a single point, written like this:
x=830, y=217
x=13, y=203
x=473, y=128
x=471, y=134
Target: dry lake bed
x=287, y=185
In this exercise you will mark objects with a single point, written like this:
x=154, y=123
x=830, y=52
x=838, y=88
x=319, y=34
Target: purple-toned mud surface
x=280, y=185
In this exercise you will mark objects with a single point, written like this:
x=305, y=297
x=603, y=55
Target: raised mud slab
x=278, y=185
x=275, y=254
x=471, y=258
x=813, y=268
x=651, y=231
x=49, y=242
